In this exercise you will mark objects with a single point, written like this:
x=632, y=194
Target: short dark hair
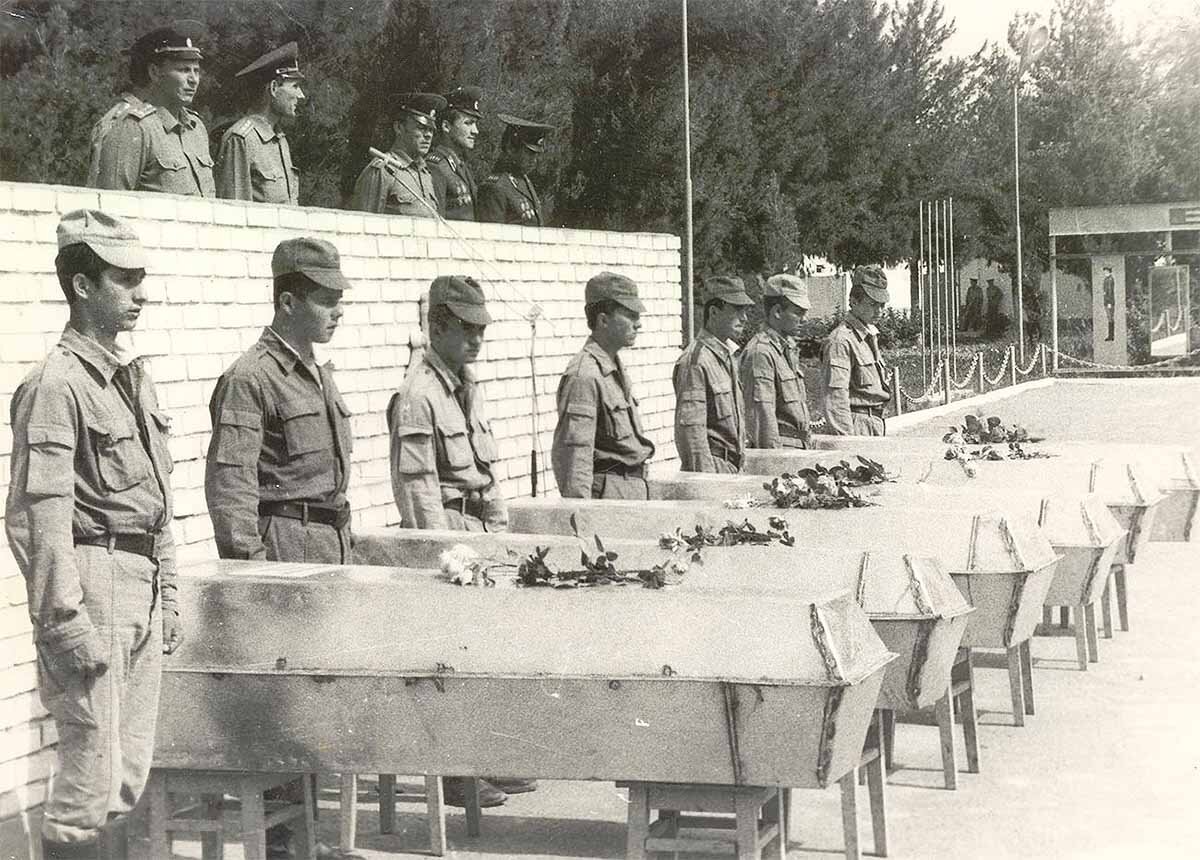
x=511, y=139
x=772, y=302
x=604, y=306
x=857, y=293
x=296, y=283
x=718, y=304
x=77, y=259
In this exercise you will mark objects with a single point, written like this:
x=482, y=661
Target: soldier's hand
x=88, y=660
x=172, y=631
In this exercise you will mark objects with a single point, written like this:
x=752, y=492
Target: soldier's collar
x=860, y=328
x=449, y=378
x=170, y=120
x=710, y=340
x=283, y=352
x=106, y=363
x=776, y=338
x=608, y=363
x=262, y=125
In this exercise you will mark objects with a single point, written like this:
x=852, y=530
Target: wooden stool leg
x=849, y=785
x=348, y=819
x=785, y=803
x=637, y=827
x=471, y=800
x=212, y=845
x=1081, y=644
x=308, y=822
x=1122, y=597
x=435, y=811
x=943, y=711
x=1027, y=674
x=970, y=719
x=1064, y=616
x=889, y=739
x=387, y=802
x=1106, y=608
x=1092, y=642
x=1047, y=615
x=254, y=826
x=160, y=839
x=775, y=813
x=875, y=791
x=1016, y=686
x=746, y=822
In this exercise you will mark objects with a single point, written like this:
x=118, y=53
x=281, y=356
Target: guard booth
x=1124, y=282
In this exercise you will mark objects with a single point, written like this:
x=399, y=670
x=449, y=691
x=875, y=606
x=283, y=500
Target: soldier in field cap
x=452, y=177
x=855, y=378
x=279, y=458
x=400, y=182
x=507, y=196
x=88, y=520
x=771, y=377
x=709, y=424
x=161, y=144
x=255, y=161
x=600, y=449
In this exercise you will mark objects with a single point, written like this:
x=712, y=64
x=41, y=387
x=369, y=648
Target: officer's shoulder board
x=494, y=178
x=191, y=113
x=434, y=158
x=242, y=127
x=140, y=112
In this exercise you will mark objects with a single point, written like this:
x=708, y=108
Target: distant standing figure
x=856, y=387
x=507, y=196
x=452, y=177
x=163, y=144
x=1110, y=301
x=972, y=315
x=401, y=183
x=255, y=160
x=769, y=367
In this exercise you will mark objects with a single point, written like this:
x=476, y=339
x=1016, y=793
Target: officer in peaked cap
x=254, y=161
x=600, y=448
x=852, y=369
x=771, y=377
x=507, y=196
x=709, y=425
x=160, y=144
x=88, y=520
x=452, y=177
x=400, y=183
x=278, y=464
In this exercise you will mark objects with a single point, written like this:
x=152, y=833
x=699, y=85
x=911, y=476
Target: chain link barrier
x=1033, y=362
x=934, y=387
x=999, y=373
x=966, y=381
x=1083, y=362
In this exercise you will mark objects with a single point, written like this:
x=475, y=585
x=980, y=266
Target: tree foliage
x=816, y=125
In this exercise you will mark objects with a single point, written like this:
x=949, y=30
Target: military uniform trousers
x=868, y=421
x=621, y=483
x=105, y=725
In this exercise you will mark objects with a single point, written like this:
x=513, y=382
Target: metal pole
x=688, y=301
x=956, y=303
x=937, y=278
x=1054, y=302
x=929, y=279
x=921, y=301
x=945, y=284
x=1017, y=208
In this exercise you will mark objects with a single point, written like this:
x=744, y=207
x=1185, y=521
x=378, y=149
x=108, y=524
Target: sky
x=979, y=21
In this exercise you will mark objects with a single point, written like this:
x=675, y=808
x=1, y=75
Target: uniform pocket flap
x=290, y=409
x=171, y=162
x=204, y=158
x=50, y=434
x=162, y=419
x=241, y=418
x=270, y=173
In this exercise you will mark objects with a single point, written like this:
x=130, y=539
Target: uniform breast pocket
x=722, y=402
x=120, y=458
x=457, y=446
x=400, y=197
x=162, y=436
x=169, y=164
x=266, y=172
x=620, y=425
x=485, y=443
x=304, y=427
x=790, y=389
x=345, y=433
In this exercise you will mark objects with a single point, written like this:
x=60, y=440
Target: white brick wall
x=210, y=278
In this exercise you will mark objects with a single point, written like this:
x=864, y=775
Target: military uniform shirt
x=854, y=372
x=773, y=390
x=708, y=405
x=150, y=149
x=280, y=434
x=453, y=182
x=397, y=186
x=441, y=450
x=598, y=423
x=86, y=462
x=255, y=163
x=506, y=198
x=101, y=128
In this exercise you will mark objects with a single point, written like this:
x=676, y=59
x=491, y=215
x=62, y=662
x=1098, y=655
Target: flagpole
x=688, y=301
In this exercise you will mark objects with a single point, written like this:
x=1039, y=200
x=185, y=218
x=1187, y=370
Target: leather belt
x=145, y=545
x=469, y=505
x=868, y=410
x=307, y=512
x=717, y=449
x=638, y=471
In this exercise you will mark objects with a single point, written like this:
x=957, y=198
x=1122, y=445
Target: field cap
x=316, y=259
x=532, y=135
x=619, y=288
x=790, y=287
x=424, y=106
x=465, y=100
x=727, y=289
x=113, y=240
x=872, y=280
x=283, y=62
x=462, y=295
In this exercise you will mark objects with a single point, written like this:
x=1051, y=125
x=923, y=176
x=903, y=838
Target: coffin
x=1080, y=527
x=911, y=602
x=1002, y=563
x=362, y=669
